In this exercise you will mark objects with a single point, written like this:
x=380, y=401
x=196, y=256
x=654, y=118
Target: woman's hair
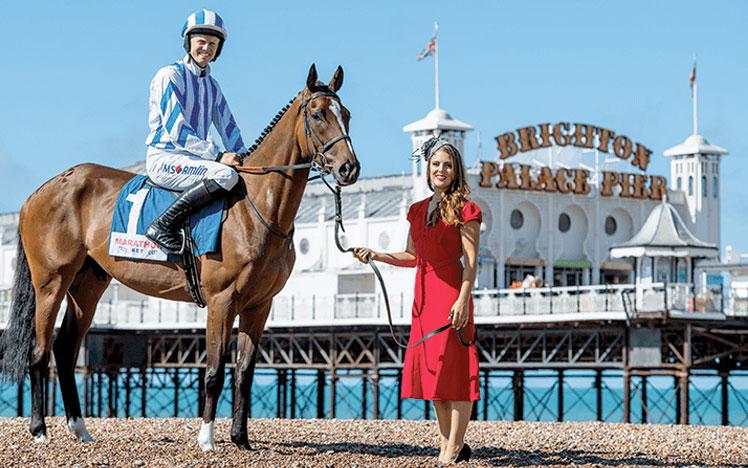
x=450, y=207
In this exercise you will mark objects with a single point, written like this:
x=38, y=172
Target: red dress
x=441, y=368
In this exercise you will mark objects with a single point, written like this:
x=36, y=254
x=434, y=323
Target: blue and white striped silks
x=183, y=105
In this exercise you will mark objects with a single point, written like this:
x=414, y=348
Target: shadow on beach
x=503, y=457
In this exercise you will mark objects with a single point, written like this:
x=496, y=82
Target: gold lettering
x=487, y=171
x=622, y=147
x=507, y=146
x=564, y=186
x=609, y=181
x=624, y=179
x=641, y=158
x=527, y=139
x=525, y=177
x=581, y=186
x=508, y=179
x=657, y=187
x=545, y=135
x=561, y=139
x=640, y=187
x=583, y=135
x=604, y=139
x=545, y=181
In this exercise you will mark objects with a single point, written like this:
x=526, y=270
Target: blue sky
x=76, y=75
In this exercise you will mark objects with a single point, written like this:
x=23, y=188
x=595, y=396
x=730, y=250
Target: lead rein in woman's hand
x=363, y=254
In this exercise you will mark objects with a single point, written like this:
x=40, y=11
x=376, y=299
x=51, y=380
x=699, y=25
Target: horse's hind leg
x=83, y=295
x=50, y=288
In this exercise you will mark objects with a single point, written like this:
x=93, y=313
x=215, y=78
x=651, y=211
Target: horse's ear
x=337, y=80
x=311, y=79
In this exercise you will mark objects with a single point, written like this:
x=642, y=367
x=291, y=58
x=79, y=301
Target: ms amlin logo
x=183, y=170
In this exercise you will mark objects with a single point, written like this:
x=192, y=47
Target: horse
x=63, y=252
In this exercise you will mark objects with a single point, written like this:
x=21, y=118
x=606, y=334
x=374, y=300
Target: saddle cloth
x=139, y=203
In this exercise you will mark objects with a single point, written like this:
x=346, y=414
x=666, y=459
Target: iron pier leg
x=486, y=377
x=320, y=393
x=725, y=387
x=645, y=405
x=560, y=412
x=375, y=394
x=399, y=391
x=127, y=393
x=143, y=390
x=176, y=393
x=676, y=389
x=333, y=378
x=518, y=386
x=278, y=395
x=98, y=387
x=364, y=379
x=426, y=410
x=293, y=393
x=684, y=406
x=599, y=394
x=626, y=396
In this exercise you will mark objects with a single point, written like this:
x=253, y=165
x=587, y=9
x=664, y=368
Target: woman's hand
x=459, y=314
x=363, y=254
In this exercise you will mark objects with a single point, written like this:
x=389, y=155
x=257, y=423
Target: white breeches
x=178, y=171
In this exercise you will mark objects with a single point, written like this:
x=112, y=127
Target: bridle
x=318, y=162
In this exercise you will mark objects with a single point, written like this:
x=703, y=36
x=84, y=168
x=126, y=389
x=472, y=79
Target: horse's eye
x=317, y=116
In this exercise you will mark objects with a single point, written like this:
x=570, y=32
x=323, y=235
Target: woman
x=443, y=228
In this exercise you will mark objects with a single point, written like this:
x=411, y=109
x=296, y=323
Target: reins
x=319, y=164
x=338, y=227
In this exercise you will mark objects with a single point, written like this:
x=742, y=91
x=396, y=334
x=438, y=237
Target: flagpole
x=695, y=99
x=436, y=65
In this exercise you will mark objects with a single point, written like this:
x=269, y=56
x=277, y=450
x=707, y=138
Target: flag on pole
x=692, y=78
x=430, y=49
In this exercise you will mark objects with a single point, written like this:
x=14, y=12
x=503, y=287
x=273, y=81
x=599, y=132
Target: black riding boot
x=164, y=230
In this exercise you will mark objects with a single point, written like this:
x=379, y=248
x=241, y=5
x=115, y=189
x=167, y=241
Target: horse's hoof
x=243, y=445
x=41, y=438
x=205, y=437
x=77, y=427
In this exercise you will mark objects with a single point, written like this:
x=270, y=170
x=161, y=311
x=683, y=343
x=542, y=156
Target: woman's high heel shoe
x=464, y=454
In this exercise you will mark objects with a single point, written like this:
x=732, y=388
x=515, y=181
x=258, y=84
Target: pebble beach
x=296, y=443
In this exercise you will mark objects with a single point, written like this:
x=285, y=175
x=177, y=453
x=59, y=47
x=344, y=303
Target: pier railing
x=598, y=302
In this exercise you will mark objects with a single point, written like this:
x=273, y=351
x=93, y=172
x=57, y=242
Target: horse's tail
x=18, y=339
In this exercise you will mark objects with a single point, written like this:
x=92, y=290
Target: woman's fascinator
x=428, y=148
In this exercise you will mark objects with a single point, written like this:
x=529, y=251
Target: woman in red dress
x=444, y=229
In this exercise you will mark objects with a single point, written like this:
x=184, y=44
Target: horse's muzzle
x=348, y=172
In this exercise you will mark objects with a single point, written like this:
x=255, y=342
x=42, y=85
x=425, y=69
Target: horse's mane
x=318, y=86
x=270, y=126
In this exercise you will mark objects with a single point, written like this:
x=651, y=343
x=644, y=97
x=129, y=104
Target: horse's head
x=323, y=130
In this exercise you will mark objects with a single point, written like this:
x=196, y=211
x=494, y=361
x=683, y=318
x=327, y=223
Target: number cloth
x=441, y=368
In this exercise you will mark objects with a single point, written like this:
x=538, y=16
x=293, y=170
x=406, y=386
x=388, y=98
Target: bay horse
x=63, y=251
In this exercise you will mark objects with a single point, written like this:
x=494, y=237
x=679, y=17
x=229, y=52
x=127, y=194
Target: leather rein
x=319, y=163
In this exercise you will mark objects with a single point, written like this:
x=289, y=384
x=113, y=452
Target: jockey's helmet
x=204, y=22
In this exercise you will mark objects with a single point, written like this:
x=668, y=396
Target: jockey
x=185, y=100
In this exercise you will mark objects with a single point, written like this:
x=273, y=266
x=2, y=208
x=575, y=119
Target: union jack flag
x=692, y=78
x=430, y=49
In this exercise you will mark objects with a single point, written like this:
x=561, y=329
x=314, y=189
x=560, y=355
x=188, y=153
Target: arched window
x=715, y=188
x=678, y=184
x=690, y=185
x=703, y=186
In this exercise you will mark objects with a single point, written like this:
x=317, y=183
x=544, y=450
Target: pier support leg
x=676, y=389
x=486, y=379
x=645, y=406
x=684, y=406
x=375, y=395
x=626, y=396
x=725, y=407
x=143, y=390
x=364, y=386
x=518, y=388
x=599, y=394
x=560, y=411
x=127, y=393
x=320, y=393
x=293, y=393
x=333, y=378
x=399, y=389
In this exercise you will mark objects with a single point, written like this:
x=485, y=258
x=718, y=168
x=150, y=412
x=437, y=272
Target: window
x=678, y=183
x=564, y=222
x=610, y=225
x=690, y=185
x=304, y=246
x=384, y=240
x=516, y=220
x=703, y=186
x=715, y=188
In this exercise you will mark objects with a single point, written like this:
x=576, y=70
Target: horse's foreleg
x=217, y=337
x=83, y=296
x=251, y=325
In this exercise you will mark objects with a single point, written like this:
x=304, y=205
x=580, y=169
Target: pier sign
x=517, y=176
